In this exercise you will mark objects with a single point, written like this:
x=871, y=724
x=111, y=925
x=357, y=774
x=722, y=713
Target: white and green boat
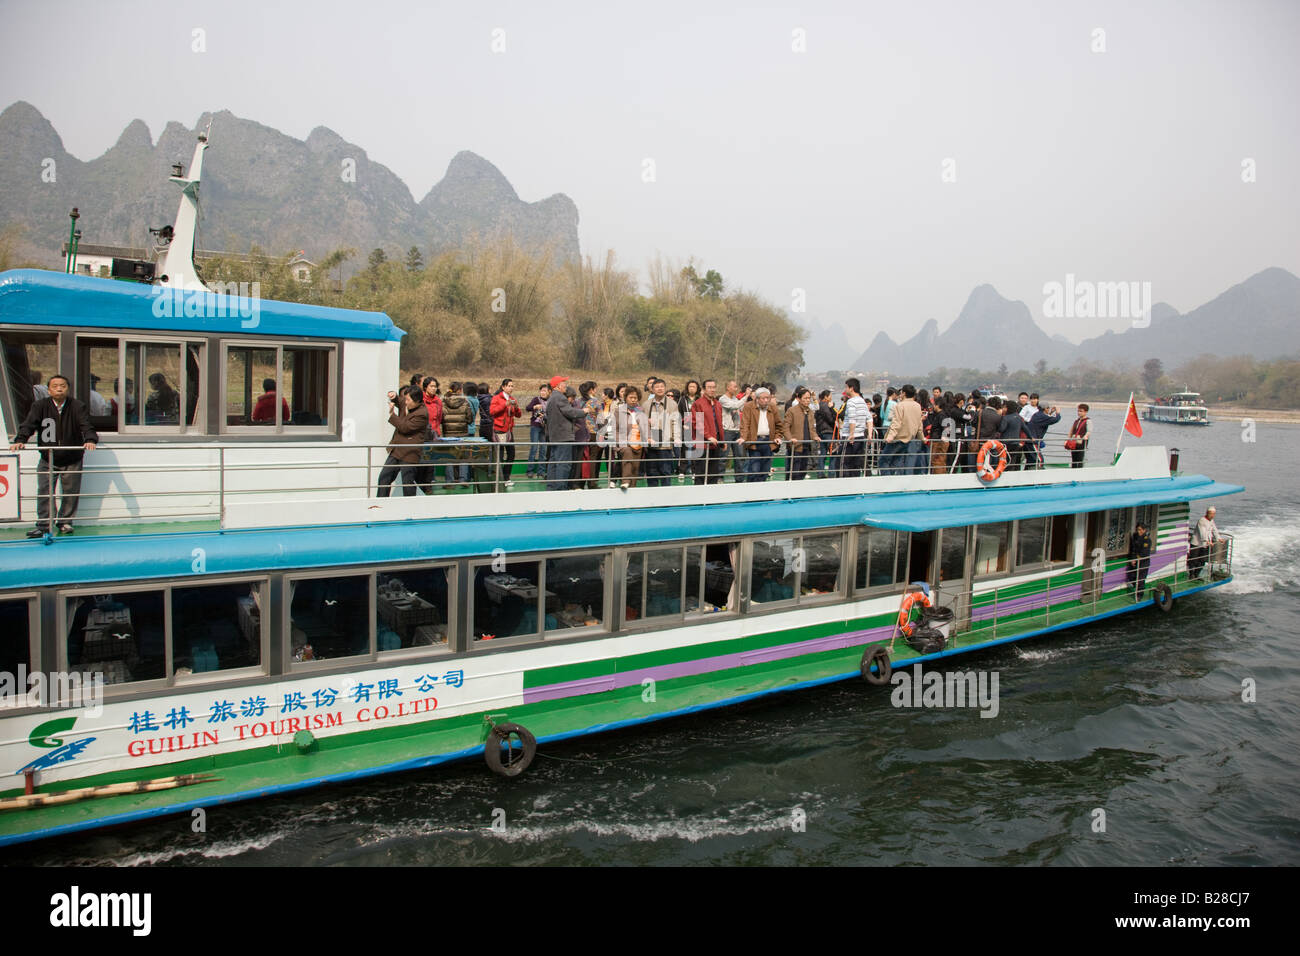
x=260, y=623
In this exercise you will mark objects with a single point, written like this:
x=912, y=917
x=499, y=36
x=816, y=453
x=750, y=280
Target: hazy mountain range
x=1259, y=317
x=259, y=186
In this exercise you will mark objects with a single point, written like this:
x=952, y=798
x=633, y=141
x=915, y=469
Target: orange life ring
x=982, y=467
x=905, y=611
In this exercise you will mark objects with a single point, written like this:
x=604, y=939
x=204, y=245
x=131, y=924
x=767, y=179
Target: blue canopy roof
x=37, y=297
x=86, y=560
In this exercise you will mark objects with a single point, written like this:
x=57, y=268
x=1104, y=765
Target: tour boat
x=1179, y=408
x=238, y=615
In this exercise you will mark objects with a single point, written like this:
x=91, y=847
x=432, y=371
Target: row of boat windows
x=177, y=632
x=140, y=384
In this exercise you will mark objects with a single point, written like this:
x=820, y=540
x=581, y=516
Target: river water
x=1141, y=717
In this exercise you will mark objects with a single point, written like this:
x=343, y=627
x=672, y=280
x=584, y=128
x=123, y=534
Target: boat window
x=277, y=386
x=329, y=617
x=305, y=381
x=803, y=568
x=17, y=620
x=991, y=548
x=1119, y=522
x=772, y=570
x=411, y=608
x=507, y=601
x=820, y=568
x=135, y=384
x=97, y=384
x=578, y=582
x=720, y=560
x=952, y=556
x=121, y=635
x=1061, y=542
x=1031, y=541
x=680, y=582
x=653, y=583
x=216, y=627
x=882, y=558
x=30, y=358
x=251, y=386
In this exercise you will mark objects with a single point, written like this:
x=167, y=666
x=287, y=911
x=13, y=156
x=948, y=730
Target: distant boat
x=1179, y=408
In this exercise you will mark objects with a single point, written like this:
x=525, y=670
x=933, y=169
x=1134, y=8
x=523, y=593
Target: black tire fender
x=879, y=656
x=1163, y=597
x=500, y=752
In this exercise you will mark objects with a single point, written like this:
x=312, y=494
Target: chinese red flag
x=1131, y=423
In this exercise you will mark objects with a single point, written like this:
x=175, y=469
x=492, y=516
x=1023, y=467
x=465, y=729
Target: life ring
x=1163, y=595
x=905, y=611
x=500, y=750
x=878, y=656
x=982, y=467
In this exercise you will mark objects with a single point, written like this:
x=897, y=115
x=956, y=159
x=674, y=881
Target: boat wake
x=1266, y=554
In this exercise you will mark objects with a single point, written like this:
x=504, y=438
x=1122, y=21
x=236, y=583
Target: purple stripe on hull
x=705, y=665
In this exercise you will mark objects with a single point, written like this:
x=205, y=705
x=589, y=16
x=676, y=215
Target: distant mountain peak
x=264, y=187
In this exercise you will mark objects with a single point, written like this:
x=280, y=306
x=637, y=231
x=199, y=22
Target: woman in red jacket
x=504, y=410
x=433, y=402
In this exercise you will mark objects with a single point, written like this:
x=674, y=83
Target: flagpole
x=1122, y=424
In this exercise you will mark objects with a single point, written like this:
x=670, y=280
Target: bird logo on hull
x=59, y=752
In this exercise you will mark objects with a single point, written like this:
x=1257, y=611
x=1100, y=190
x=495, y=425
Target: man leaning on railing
x=61, y=421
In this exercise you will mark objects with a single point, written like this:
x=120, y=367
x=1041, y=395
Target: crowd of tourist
x=696, y=433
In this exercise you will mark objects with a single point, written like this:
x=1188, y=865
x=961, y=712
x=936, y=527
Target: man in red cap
x=561, y=412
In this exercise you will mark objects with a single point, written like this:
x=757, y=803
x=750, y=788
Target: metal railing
x=1071, y=594
x=192, y=482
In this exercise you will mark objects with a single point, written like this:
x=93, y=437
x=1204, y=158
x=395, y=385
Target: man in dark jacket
x=61, y=421
x=410, y=424
x=1139, y=554
x=561, y=414
x=1036, y=427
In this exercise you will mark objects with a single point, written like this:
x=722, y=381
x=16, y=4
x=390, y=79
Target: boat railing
x=187, y=482
x=1067, y=595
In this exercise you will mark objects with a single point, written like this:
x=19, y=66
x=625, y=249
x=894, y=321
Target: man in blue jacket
x=1036, y=427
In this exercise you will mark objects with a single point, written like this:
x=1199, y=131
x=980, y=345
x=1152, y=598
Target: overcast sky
x=819, y=169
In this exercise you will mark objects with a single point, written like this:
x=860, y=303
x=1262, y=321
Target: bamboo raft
x=32, y=800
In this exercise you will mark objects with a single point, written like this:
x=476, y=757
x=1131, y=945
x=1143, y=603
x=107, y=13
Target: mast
x=176, y=266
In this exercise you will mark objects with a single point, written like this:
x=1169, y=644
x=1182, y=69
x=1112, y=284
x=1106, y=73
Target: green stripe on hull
x=248, y=773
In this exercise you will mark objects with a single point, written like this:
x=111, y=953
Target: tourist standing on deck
x=589, y=399
x=689, y=464
x=457, y=416
x=665, y=436
x=410, y=420
x=58, y=419
x=1139, y=553
x=732, y=400
x=1037, y=428
x=631, y=429
x=824, y=418
x=904, y=449
x=536, y=409
x=760, y=433
x=706, y=419
x=1204, y=536
x=504, y=410
x=801, y=432
x=562, y=412
x=1080, y=432
x=855, y=429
